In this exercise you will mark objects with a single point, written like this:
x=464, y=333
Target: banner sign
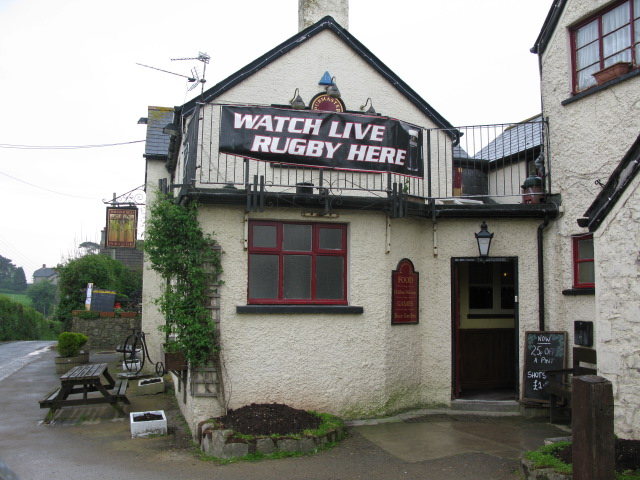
x=122, y=226
x=322, y=139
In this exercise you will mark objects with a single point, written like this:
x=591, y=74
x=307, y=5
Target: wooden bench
x=584, y=363
x=86, y=379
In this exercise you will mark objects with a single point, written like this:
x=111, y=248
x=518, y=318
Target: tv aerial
x=195, y=78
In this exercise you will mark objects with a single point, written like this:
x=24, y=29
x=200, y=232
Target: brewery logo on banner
x=322, y=139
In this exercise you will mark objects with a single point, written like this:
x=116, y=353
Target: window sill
x=597, y=88
x=293, y=309
x=572, y=292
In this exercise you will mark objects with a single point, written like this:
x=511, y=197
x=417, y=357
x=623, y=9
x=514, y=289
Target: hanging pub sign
x=122, y=227
x=405, y=300
x=322, y=139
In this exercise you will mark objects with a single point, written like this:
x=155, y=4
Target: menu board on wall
x=543, y=351
x=405, y=299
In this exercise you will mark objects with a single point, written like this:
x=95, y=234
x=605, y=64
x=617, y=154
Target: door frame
x=455, y=318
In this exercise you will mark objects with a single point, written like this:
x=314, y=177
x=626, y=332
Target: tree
x=42, y=295
x=19, y=280
x=11, y=277
x=104, y=272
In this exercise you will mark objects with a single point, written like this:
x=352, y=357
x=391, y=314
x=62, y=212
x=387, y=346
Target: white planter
x=134, y=365
x=150, y=388
x=148, y=427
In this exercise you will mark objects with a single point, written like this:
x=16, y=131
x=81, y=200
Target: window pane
x=481, y=273
x=480, y=297
x=585, y=77
x=587, y=55
x=297, y=237
x=616, y=18
x=330, y=238
x=587, y=34
x=585, y=248
x=507, y=298
x=263, y=276
x=329, y=278
x=586, y=272
x=617, y=43
x=265, y=236
x=297, y=277
x=506, y=274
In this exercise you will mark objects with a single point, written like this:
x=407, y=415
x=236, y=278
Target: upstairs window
x=583, y=266
x=610, y=37
x=297, y=263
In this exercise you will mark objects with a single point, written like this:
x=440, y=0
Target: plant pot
x=128, y=314
x=64, y=364
x=150, y=386
x=174, y=361
x=148, y=427
x=612, y=71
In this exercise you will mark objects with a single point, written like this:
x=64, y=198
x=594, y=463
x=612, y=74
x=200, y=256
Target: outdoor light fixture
x=371, y=110
x=297, y=102
x=484, y=238
x=171, y=129
x=332, y=90
x=325, y=81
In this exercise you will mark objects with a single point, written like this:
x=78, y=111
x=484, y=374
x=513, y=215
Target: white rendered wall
x=588, y=138
x=618, y=308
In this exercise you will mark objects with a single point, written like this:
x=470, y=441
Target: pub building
x=376, y=258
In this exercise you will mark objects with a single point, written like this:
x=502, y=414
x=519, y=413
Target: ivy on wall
x=177, y=246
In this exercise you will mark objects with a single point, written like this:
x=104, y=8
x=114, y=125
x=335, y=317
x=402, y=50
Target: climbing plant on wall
x=177, y=246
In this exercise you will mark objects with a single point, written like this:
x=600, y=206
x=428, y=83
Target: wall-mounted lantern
x=484, y=238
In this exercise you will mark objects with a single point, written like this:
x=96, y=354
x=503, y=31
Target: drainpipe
x=541, y=227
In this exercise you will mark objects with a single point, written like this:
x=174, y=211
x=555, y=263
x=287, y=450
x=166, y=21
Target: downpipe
x=541, y=227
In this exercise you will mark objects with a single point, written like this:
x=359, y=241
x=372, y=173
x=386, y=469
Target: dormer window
x=606, y=39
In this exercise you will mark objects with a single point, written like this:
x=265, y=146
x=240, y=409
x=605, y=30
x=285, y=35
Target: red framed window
x=583, y=265
x=611, y=36
x=297, y=263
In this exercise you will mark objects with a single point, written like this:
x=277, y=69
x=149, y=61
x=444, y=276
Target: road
x=15, y=355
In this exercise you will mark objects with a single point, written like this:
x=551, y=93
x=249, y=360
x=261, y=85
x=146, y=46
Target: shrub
x=70, y=343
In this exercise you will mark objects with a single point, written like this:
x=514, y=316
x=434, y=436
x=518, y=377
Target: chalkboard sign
x=102, y=301
x=543, y=351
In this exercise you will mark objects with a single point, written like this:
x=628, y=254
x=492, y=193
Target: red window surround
x=297, y=263
x=583, y=262
x=609, y=37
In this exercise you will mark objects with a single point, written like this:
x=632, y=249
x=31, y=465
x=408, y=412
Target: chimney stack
x=310, y=11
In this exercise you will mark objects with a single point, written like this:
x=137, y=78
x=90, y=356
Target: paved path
x=93, y=443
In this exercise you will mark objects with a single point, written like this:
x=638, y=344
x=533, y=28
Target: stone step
x=504, y=406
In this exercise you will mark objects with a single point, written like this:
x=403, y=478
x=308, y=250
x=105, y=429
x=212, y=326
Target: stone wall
x=106, y=331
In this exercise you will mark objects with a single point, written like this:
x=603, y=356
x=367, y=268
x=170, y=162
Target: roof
x=45, y=272
x=326, y=23
x=513, y=140
x=157, y=144
x=549, y=26
x=619, y=180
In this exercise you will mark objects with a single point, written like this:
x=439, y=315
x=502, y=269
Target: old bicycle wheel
x=133, y=359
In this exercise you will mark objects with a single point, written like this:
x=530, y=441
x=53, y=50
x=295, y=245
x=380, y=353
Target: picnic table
x=85, y=379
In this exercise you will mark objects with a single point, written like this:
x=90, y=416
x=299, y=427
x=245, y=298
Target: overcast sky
x=69, y=78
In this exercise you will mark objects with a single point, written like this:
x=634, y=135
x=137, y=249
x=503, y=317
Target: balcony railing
x=475, y=164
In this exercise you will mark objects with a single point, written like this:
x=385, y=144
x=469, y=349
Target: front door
x=485, y=313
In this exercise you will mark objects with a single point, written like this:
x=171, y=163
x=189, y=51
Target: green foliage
x=102, y=271
x=88, y=315
x=70, y=343
x=42, y=295
x=19, y=322
x=543, y=458
x=177, y=248
x=12, y=278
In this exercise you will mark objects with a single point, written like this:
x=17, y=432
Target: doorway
x=485, y=326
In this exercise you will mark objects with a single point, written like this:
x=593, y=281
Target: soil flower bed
x=265, y=429
x=558, y=456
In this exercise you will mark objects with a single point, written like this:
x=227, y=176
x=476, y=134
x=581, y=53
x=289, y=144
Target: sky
x=69, y=78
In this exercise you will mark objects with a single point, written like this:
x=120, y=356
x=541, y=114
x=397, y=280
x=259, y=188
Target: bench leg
x=50, y=414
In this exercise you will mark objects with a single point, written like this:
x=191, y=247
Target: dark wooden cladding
x=487, y=358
